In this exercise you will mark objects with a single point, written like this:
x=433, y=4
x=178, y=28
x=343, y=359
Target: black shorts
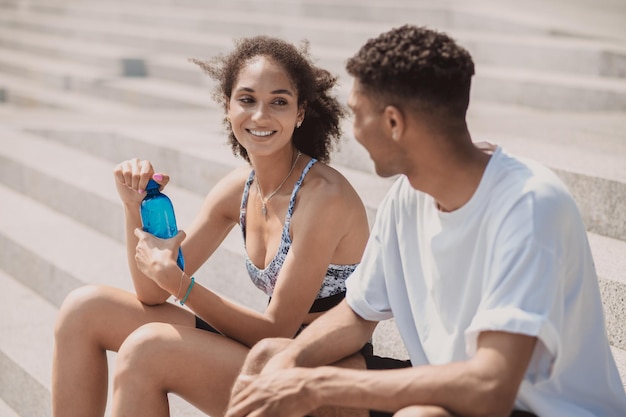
x=374, y=362
x=203, y=325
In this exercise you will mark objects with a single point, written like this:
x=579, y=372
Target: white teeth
x=261, y=132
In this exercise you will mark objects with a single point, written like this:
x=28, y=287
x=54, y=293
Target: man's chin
x=383, y=171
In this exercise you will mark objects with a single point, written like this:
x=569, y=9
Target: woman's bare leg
x=159, y=358
x=92, y=320
x=423, y=411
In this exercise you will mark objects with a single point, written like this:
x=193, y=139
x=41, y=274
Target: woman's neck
x=272, y=172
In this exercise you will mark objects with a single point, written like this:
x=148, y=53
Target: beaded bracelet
x=193, y=281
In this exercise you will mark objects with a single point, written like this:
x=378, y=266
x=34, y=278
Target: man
x=481, y=257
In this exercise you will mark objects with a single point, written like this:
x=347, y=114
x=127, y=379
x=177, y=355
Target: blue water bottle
x=157, y=216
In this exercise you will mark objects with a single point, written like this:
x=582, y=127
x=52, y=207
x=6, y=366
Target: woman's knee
x=80, y=311
x=422, y=411
x=143, y=352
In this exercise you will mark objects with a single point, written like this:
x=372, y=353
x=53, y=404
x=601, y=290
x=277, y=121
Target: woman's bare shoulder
x=330, y=210
x=331, y=182
x=326, y=190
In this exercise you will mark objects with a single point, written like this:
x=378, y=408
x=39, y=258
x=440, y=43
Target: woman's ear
x=394, y=122
x=301, y=111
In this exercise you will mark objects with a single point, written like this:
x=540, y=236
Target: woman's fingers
x=134, y=173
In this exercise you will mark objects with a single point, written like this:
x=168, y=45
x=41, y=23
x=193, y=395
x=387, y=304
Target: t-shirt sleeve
x=366, y=288
x=522, y=288
x=366, y=292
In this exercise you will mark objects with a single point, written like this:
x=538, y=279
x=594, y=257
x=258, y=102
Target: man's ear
x=394, y=122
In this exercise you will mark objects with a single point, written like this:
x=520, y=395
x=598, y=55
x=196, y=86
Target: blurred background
x=87, y=84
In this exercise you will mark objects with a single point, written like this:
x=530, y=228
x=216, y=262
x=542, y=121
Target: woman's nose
x=261, y=112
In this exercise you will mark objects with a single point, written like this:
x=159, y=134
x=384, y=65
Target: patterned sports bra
x=333, y=288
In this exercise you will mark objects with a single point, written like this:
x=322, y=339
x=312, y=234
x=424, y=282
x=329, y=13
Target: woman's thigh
x=197, y=365
x=107, y=315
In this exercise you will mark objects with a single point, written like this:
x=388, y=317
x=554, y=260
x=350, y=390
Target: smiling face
x=263, y=107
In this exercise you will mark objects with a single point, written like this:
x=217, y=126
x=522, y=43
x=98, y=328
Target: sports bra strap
x=296, y=188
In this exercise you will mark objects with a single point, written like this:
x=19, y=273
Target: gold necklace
x=264, y=200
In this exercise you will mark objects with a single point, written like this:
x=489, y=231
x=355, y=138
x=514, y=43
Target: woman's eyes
x=250, y=100
x=246, y=100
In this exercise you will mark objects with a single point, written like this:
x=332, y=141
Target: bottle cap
x=152, y=184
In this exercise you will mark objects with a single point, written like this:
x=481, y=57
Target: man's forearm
x=334, y=336
x=485, y=384
x=449, y=387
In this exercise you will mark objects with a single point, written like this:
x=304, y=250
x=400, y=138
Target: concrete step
x=563, y=17
x=26, y=357
x=528, y=87
x=533, y=51
x=496, y=16
x=7, y=411
x=114, y=59
x=392, y=13
x=549, y=90
x=63, y=75
x=72, y=77
x=27, y=95
x=148, y=39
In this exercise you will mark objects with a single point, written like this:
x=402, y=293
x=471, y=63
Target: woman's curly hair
x=321, y=127
x=417, y=66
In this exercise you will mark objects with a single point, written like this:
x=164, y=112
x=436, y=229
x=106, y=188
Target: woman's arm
x=319, y=237
x=214, y=220
x=131, y=178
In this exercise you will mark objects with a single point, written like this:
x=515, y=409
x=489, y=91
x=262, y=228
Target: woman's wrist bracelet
x=193, y=281
x=180, y=287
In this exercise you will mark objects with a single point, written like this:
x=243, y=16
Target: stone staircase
x=86, y=84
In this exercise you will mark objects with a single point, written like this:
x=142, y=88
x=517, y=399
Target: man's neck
x=452, y=176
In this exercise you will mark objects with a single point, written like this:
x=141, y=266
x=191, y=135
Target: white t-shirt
x=514, y=258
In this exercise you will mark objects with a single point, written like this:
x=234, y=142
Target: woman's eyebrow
x=286, y=92
x=281, y=91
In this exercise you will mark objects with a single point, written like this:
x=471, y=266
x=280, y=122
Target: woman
x=304, y=230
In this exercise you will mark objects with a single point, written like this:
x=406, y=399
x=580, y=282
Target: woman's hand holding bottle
x=156, y=258
x=131, y=179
